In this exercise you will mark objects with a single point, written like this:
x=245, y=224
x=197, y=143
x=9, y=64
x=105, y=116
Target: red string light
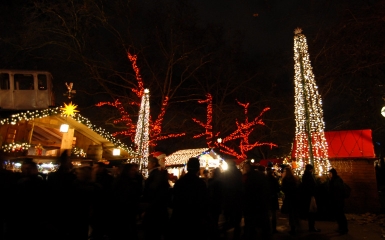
x=155, y=128
x=209, y=119
x=243, y=132
x=140, y=90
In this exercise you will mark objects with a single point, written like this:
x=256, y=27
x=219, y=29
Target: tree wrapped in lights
x=242, y=133
x=208, y=125
x=311, y=145
x=142, y=130
x=155, y=127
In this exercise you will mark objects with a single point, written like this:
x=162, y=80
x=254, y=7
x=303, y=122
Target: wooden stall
x=351, y=153
x=37, y=135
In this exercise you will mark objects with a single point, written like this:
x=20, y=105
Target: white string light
x=142, y=131
x=310, y=127
x=31, y=115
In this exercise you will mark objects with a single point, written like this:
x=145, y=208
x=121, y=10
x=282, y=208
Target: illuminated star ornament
x=70, y=109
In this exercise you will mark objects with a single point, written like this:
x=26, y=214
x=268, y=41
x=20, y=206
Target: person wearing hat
x=190, y=205
x=336, y=189
x=308, y=190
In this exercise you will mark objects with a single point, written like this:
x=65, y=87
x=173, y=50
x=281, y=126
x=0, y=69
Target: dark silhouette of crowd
x=90, y=203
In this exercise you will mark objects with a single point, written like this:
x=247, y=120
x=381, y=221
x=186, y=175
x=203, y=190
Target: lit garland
x=15, y=147
x=142, y=131
x=78, y=152
x=182, y=156
x=31, y=115
x=125, y=118
x=311, y=145
x=139, y=92
x=242, y=133
x=209, y=119
x=155, y=128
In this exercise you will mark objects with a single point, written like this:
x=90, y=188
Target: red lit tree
x=155, y=130
x=242, y=133
x=208, y=125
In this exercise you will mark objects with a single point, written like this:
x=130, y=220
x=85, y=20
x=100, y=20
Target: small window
x=42, y=81
x=4, y=81
x=23, y=81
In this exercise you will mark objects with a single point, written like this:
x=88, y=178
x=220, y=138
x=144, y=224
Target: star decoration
x=69, y=109
x=297, y=30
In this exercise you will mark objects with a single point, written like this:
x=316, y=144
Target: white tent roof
x=182, y=156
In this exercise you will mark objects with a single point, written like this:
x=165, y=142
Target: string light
x=31, y=115
x=311, y=145
x=242, y=133
x=155, y=128
x=139, y=92
x=15, y=147
x=209, y=119
x=78, y=152
x=142, y=131
x=182, y=156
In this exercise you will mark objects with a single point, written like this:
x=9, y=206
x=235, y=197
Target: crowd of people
x=90, y=203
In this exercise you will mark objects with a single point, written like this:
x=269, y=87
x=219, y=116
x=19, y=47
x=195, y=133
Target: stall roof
x=52, y=118
x=182, y=156
x=348, y=144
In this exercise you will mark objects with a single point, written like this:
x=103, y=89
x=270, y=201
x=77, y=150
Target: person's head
x=129, y=170
x=2, y=162
x=99, y=167
x=193, y=165
x=288, y=172
x=247, y=167
x=309, y=168
x=29, y=168
x=216, y=173
x=332, y=173
x=152, y=163
x=64, y=161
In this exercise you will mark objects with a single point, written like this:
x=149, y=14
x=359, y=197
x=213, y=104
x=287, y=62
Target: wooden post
x=66, y=142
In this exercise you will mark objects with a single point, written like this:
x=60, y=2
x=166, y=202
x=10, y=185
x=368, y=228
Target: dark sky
x=265, y=27
x=268, y=25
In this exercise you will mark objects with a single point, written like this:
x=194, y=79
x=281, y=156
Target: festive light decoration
x=15, y=147
x=30, y=115
x=78, y=152
x=70, y=109
x=311, y=145
x=209, y=119
x=242, y=132
x=142, y=131
x=125, y=118
x=182, y=156
x=155, y=127
x=139, y=92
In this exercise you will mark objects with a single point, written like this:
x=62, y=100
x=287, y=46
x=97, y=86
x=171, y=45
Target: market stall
x=208, y=158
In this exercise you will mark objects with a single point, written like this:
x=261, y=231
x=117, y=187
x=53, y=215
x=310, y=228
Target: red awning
x=348, y=144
